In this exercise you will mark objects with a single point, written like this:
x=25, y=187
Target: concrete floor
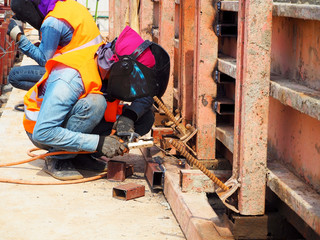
x=79, y=211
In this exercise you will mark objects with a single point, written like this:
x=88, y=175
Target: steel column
x=111, y=19
x=204, y=88
x=146, y=17
x=166, y=40
x=186, y=56
x=251, y=104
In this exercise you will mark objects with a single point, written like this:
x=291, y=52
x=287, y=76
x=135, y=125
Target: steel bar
x=128, y=191
x=116, y=170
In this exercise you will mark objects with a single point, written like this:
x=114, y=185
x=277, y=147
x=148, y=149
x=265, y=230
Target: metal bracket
x=233, y=186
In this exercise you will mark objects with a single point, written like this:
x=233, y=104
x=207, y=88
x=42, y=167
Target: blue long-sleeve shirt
x=54, y=33
x=62, y=90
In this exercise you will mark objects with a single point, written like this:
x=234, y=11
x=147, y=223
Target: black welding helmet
x=32, y=11
x=144, y=72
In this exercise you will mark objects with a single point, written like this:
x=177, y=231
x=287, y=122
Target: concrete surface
x=79, y=211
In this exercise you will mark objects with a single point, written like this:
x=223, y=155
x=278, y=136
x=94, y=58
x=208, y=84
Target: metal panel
x=154, y=175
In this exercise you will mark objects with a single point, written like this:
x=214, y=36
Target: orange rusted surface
x=166, y=40
x=186, y=56
x=145, y=17
x=251, y=105
x=204, y=88
x=296, y=50
x=294, y=139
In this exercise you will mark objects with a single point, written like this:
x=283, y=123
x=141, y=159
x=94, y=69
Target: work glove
x=110, y=146
x=124, y=125
x=14, y=29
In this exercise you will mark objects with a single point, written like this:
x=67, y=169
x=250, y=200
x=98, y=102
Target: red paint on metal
x=128, y=191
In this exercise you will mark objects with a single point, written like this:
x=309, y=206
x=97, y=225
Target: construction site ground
x=75, y=211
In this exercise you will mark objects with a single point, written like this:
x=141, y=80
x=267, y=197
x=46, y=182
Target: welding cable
x=42, y=156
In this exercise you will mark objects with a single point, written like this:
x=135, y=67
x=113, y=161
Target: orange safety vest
x=78, y=54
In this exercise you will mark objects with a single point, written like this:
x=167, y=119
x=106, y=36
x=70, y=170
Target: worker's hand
x=123, y=125
x=14, y=30
x=110, y=146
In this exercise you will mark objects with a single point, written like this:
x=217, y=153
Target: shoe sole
x=74, y=177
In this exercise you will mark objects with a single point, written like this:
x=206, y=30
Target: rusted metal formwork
x=252, y=102
x=204, y=88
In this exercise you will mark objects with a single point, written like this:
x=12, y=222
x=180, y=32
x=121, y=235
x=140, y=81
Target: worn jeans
x=24, y=77
x=83, y=117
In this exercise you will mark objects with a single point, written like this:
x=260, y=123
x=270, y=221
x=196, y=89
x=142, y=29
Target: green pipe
x=96, y=13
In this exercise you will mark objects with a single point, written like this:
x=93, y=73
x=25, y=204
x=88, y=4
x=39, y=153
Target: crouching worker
x=66, y=109
x=62, y=109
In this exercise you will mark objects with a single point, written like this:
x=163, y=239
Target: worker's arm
x=54, y=33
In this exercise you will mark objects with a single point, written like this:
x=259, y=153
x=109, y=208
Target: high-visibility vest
x=78, y=54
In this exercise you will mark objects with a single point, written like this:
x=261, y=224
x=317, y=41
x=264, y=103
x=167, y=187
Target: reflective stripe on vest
x=95, y=41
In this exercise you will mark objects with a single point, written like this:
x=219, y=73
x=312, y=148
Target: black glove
x=14, y=29
x=123, y=125
x=110, y=146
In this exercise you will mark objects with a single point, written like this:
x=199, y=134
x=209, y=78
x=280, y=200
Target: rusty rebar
x=168, y=113
x=195, y=162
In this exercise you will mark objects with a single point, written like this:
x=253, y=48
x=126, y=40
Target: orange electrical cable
x=41, y=156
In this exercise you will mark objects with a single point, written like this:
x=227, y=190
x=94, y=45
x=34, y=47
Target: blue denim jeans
x=25, y=77
x=83, y=117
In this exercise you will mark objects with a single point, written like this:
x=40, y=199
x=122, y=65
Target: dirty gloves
x=123, y=125
x=14, y=29
x=110, y=146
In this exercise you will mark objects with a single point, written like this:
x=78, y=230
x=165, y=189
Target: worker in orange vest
x=65, y=109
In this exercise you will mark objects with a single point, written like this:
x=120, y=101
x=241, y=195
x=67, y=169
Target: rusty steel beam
x=300, y=197
x=146, y=18
x=252, y=103
x=112, y=11
x=186, y=56
x=225, y=135
x=154, y=174
x=232, y=6
x=128, y=191
x=224, y=106
x=116, y=170
x=222, y=78
x=227, y=65
x=204, y=87
x=166, y=40
x=295, y=95
x=303, y=11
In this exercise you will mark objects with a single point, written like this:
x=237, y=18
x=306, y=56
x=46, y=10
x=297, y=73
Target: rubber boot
x=61, y=169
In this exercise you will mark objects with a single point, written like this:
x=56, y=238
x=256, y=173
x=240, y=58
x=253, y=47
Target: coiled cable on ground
x=42, y=156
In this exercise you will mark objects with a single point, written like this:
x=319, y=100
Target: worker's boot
x=89, y=163
x=61, y=169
